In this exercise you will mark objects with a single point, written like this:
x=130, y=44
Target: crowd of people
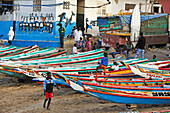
x=86, y=44
x=83, y=44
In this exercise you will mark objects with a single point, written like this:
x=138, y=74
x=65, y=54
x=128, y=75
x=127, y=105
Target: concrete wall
x=115, y=7
x=59, y=10
x=4, y=28
x=26, y=11
x=41, y=36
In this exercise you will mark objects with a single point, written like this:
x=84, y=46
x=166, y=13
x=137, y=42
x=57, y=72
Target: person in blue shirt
x=48, y=89
x=103, y=64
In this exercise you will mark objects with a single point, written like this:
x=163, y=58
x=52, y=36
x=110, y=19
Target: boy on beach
x=48, y=89
x=103, y=64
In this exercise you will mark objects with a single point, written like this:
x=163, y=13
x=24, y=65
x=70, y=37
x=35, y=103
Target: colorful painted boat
x=90, y=69
x=19, y=51
x=21, y=56
x=155, y=68
x=119, y=80
x=15, y=69
x=87, y=59
x=3, y=49
x=43, y=55
x=148, y=74
x=99, y=51
x=123, y=94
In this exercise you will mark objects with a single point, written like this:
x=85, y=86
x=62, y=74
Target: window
x=156, y=9
x=129, y=6
x=66, y=5
x=37, y=8
x=102, y=10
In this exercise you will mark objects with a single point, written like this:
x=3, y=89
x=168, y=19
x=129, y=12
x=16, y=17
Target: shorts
x=103, y=67
x=49, y=95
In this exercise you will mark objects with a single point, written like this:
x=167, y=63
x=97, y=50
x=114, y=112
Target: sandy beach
x=18, y=97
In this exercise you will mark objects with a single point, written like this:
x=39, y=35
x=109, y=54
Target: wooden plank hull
x=125, y=95
x=149, y=74
x=19, y=51
x=7, y=48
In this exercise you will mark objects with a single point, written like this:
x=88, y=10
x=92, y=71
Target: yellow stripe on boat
x=120, y=34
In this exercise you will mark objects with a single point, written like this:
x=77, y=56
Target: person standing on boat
x=48, y=89
x=103, y=64
x=140, y=46
x=11, y=35
x=62, y=34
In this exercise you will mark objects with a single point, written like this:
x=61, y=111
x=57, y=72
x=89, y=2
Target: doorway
x=80, y=14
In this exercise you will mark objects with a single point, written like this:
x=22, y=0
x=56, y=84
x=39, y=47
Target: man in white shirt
x=11, y=35
x=77, y=35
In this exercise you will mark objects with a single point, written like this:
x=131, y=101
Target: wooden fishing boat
x=148, y=74
x=53, y=57
x=155, y=68
x=123, y=94
x=87, y=59
x=80, y=72
x=130, y=95
x=26, y=72
x=39, y=56
x=43, y=55
x=19, y=51
x=20, y=56
x=3, y=49
x=90, y=69
x=119, y=80
x=10, y=51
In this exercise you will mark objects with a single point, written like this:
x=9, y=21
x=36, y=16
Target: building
x=36, y=21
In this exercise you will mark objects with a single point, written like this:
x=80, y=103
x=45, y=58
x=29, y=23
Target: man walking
x=48, y=89
x=140, y=46
x=62, y=34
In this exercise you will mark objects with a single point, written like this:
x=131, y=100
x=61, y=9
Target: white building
x=83, y=10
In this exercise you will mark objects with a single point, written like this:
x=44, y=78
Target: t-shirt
x=81, y=44
x=115, y=67
x=75, y=50
x=61, y=31
x=48, y=85
x=104, y=61
x=153, y=60
x=11, y=34
x=77, y=35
